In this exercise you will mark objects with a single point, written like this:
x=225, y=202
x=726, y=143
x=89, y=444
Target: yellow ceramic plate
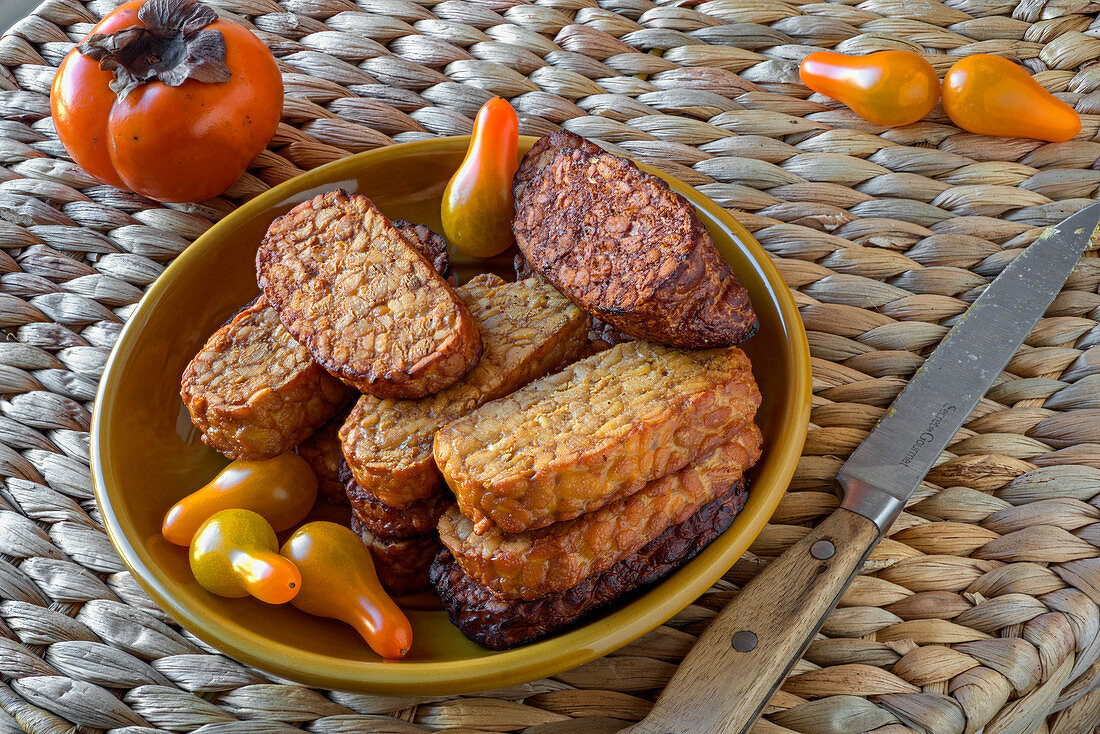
x=146, y=454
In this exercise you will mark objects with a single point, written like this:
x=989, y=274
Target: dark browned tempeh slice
x=499, y=624
x=625, y=247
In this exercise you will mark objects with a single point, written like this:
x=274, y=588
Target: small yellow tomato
x=478, y=205
x=990, y=95
x=235, y=553
x=339, y=581
x=282, y=490
x=887, y=88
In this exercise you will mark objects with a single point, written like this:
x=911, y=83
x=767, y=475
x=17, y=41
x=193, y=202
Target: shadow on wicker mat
x=980, y=609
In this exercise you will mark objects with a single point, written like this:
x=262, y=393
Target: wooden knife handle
x=743, y=656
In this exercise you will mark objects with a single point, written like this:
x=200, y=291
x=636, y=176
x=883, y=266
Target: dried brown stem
x=172, y=46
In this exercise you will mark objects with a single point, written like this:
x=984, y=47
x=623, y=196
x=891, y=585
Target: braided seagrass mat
x=981, y=607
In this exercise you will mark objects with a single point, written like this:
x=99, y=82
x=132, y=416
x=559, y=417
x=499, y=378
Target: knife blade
x=743, y=656
x=884, y=471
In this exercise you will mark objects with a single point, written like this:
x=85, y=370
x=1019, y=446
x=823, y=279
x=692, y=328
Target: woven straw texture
x=981, y=607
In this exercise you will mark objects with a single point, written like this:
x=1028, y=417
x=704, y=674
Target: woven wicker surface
x=979, y=609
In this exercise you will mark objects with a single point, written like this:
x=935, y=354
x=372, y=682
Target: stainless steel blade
x=888, y=466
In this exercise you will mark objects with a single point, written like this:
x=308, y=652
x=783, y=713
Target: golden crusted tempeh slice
x=596, y=431
x=244, y=385
x=527, y=329
x=367, y=305
x=557, y=557
x=254, y=391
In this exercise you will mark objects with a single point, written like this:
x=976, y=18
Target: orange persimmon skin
x=478, y=205
x=889, y=88
x=282, y=490
x=990, y=95
x=80, y=106
x=172, y=144
x=339, y=581
x=234, y=554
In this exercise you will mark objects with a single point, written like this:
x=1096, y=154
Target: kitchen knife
x=746, y=652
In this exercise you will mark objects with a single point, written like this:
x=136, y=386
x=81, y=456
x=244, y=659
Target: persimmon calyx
x=173, y=46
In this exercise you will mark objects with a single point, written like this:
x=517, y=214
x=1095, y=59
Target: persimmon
x=167, y=99
x=282, y=490
x=339, y=581
x=235, y=553
x=888, y=88
x=478, y=205
x=990, y=95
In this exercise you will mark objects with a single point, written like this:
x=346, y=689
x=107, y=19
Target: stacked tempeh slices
x=578, y=487
x=397, y=495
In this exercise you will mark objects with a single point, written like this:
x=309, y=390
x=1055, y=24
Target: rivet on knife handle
x=749, y=648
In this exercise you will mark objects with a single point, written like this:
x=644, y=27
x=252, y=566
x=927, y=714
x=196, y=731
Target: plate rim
x=462, y=675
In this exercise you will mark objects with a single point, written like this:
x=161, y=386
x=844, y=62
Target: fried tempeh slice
x=498, y=623
x=527, y=329
x=254, y=391
x=559, y=556
x=402, y=563
x=416, y=518
x=596, y=431
x=367, y=305
x=322, y=452
x=430, y=244
x=243, y=386
x=601, y=335
x=625, y=247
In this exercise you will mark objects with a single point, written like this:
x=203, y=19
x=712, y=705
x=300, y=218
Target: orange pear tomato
x=282, y=490
x=339, y=581
x=167, y=99
x=478, y=205
x=990, y=95
x=235, y=553
x=888, y=88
